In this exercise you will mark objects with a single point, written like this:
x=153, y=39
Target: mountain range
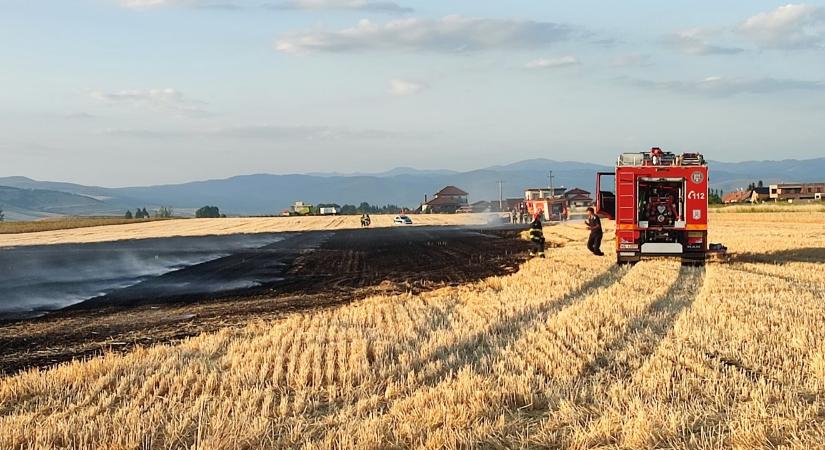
x=23, y=198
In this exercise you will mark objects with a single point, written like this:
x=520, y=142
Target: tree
x=128, y=214
x=760, y=184
x=164, y=212
x=715, y=197
x=210, y=212
x=364, y=207
x=349, y=210
x=145, y=213
x=2, y=216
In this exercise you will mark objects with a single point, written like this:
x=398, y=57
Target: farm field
x=65, y=223
x=569, y=352
x=207, y=227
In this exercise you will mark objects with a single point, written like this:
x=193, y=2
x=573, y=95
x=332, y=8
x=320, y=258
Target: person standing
x=594, y=224
x=537, y=237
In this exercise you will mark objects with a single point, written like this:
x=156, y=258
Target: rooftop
x=451, y=191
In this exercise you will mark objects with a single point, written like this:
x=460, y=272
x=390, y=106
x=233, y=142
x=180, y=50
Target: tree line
x=363, y=208
x=164, y=212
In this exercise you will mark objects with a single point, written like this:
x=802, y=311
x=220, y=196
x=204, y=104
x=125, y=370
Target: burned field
x=301, y=273
x=571, y=351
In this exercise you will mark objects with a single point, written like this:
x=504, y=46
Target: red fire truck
x=546, y=202
x=660, y=204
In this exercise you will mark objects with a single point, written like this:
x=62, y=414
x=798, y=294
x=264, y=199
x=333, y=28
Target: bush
x=208, y=212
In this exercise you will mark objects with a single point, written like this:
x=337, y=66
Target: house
x=760, y=194
x=578, y=198
x=740, y=196
x=789, y=192
x=448, y=200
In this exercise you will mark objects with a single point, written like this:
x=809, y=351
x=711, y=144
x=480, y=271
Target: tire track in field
x=482, y=342
x=684, y=371
x=605, y=346
x=804, y=284
x=581, y=340
x=500, y=384
x=649, y=329
x=506, y=330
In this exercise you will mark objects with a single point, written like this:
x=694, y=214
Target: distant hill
x=270, y=194
x=30, y=204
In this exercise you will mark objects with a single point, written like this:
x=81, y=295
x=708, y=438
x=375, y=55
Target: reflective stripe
x=701, y=227
x=626, y=226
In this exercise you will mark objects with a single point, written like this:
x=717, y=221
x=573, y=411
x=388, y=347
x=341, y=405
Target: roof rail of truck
x=665, y=159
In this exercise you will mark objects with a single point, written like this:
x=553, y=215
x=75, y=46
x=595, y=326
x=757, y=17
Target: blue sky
x=127, y=92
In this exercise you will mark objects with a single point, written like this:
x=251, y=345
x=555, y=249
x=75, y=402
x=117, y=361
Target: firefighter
x=594, y=224
x=537, y=236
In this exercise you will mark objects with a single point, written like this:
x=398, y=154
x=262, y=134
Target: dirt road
x=301, y=272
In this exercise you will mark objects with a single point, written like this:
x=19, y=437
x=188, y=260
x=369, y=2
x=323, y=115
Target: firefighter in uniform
x=537, y=236
x=594, y=224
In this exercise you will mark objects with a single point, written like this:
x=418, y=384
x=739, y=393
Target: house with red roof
x=448, y=200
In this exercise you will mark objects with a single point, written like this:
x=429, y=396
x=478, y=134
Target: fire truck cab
x=660, y=204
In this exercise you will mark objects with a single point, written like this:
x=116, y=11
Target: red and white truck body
x=660, y=204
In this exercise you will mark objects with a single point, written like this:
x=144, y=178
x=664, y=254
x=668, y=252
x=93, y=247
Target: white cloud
x=402, y=88
x=167, y=99
x=552, y=63
x=717, y=86
x=352, y=5
x=449, y=34
x=138, y=4
x=787, y=27
x=262, y=132
x=696, y=42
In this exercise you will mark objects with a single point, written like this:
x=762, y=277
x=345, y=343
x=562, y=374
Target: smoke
x=52, y=277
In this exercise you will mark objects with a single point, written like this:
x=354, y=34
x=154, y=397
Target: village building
x=448, y=200
x=740, y=196
x=578, y=198
x=790, y=192
x=760, y=194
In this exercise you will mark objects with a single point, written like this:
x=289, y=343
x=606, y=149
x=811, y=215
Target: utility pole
x=550, y=178
x=500, y=197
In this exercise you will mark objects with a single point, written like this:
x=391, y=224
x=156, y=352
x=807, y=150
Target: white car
x=402, y=220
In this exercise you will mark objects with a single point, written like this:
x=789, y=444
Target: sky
x=137, y=92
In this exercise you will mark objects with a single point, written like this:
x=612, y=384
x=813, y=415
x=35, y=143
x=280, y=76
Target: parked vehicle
x=402, y=220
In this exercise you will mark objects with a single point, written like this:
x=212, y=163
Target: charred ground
x=303, y=272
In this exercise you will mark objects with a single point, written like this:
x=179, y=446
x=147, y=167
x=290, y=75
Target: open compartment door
x=606, y=194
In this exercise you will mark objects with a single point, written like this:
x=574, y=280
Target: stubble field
x=570, y=352
x=93, y=230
